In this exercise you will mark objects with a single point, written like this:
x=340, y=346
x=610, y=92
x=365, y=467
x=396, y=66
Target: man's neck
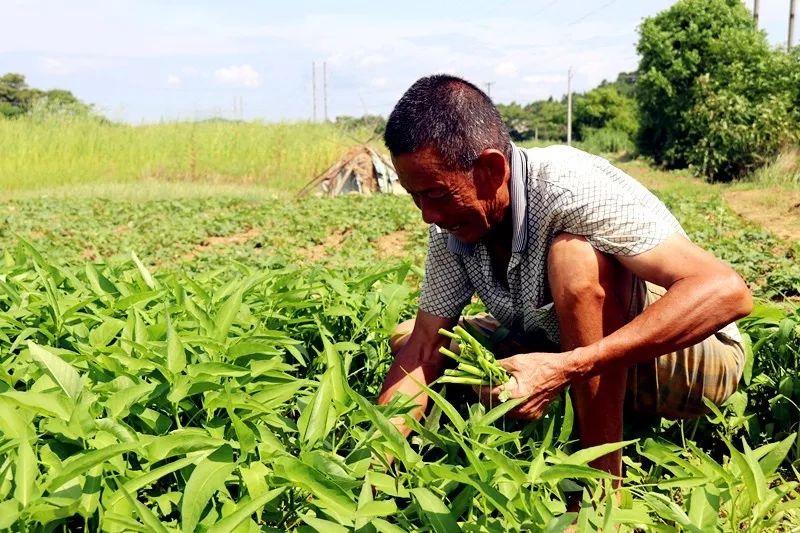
x=501, y=235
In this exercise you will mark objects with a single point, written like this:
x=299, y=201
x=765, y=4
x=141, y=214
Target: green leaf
x=207, y=478
x=78, y=465
x=227, y=314
x=495, y=413
x=434, y=511
x=232, y=521
x=318, y=417
x=245, y=436
x=386, y=527
x=176, y=356
x=146, y=276
x=148, y=518
x=180, y=441
x=704, y=508
x=393, y=439
x=137, y=483
x=587, y=455
x=25, y=474
x=446, y=407
x=323, y=525
x=118, y=404
x=324, y=493
x=778, y=452
x=746, y=473
x=59, y=370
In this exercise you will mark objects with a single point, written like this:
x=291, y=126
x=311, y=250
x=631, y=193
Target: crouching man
x=588, y=279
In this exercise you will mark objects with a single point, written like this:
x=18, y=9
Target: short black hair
x=450, y=114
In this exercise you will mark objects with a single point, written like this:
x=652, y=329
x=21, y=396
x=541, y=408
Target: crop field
x=209, y=362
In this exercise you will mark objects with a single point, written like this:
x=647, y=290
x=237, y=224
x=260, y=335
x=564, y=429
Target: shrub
x=712, y=93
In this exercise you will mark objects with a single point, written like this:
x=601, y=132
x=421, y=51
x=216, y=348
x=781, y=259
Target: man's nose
x=429, y=215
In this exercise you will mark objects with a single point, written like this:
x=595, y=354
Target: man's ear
x=490, y=172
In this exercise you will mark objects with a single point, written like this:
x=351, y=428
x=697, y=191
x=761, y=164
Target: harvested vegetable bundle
x=476, y=364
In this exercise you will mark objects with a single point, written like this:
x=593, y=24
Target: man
x=565, y=251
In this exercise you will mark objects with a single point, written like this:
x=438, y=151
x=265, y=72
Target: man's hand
x=536, y=376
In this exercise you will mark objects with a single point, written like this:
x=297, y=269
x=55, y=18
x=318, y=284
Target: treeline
x=17, y=98
x=710, y=94
x=604, y=119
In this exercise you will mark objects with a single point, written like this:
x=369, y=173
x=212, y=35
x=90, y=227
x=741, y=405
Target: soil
x=319, y=251
x=209, y=242
x=393, y=244
x=778, y=210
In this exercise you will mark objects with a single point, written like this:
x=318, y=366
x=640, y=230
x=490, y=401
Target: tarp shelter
x=361, y=171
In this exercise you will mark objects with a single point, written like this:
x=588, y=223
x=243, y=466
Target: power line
x=544, y=8
x=590, y=13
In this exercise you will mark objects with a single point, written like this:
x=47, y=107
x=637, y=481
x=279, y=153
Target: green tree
x=519, y=121
x=550, y=118
x=605, y=107
x=17, y=98
x=712, y=93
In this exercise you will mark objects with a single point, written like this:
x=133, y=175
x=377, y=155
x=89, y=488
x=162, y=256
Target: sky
x=146, y=61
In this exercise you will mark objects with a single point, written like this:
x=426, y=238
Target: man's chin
x=467, y=236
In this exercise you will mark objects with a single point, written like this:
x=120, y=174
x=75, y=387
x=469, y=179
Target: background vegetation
x=185, y=346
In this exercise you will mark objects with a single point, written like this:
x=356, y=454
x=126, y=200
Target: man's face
x=452, y=199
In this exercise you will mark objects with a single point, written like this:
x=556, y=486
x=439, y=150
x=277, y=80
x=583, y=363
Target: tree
x=605, y=107
x=17, y=98
x=520, y=122
x=712, y=93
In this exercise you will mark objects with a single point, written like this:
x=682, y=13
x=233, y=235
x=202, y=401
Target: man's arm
x=419, y=359
x=703, y=295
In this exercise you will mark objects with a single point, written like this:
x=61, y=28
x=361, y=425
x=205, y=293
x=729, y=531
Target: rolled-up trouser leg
x=673, y=385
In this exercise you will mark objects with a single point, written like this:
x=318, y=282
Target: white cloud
x=238, y=76
x=173, y=81
x=506, y=68
x=63, y=66
x=379, y=82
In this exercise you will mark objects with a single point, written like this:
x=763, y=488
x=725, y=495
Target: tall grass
x=784, y=171
x=71, y=151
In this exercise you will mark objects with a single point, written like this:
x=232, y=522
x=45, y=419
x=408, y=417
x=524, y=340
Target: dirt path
x=778, y=210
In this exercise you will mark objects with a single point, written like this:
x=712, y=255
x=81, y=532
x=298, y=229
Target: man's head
x=451, y=151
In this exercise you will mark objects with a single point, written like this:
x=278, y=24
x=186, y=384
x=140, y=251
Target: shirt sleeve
x=615, y=213
x=446, y=288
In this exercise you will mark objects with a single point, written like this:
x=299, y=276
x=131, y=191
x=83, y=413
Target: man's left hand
x=539, y=377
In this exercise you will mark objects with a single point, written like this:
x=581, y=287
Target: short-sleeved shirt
x=553, y=190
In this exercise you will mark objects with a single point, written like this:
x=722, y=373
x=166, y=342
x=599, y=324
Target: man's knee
x=578, y=271
x=400, y=335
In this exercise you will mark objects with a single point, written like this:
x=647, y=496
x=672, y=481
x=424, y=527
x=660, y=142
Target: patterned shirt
x=553, y=190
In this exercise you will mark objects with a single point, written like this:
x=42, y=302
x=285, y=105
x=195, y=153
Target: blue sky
x=146, y=60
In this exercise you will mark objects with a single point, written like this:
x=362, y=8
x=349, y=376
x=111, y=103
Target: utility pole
x=489, y=88
x=755, y=13
x=313, y=91
x=569, y=107
x=789, y=41
x=325, y=89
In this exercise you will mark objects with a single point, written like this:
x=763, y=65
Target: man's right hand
x=417, y=359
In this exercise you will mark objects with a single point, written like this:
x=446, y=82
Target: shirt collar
x=519, y=211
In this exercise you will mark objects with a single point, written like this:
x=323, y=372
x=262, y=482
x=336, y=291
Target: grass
x=66, y=152
x=784, y=171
